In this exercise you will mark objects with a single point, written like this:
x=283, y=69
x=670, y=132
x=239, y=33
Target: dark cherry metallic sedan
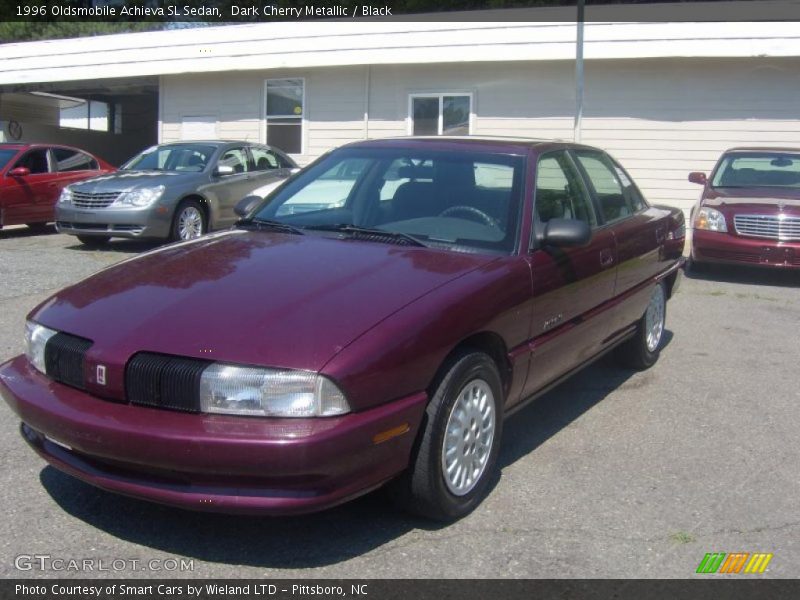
x=749, y=211
x=327, y=346
x=33, y=175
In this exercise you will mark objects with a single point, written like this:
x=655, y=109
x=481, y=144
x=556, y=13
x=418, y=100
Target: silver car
x=175, y=191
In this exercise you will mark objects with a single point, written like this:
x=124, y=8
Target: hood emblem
x=101, y=374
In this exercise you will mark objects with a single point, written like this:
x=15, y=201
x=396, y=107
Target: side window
x=72, y=160
x=35, y=161
x=236, y=158
x=560, y=192
x=616, y=193
x=263, y=159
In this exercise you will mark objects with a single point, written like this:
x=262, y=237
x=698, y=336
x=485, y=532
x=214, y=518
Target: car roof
x=513, y=145
x=763, y=149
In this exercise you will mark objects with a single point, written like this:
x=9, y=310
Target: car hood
x=754, y=200
x=270, y=299
x=126, y=181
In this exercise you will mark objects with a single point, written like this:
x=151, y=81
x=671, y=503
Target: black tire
x=38, y=227
x=423, y=488
x=637, y=352
x=187, y=207
x=94, y=241
x=695, y=267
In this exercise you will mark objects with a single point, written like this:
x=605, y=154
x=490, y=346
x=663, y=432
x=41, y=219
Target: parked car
x=749, y=211
x=33, y=175
x=306, y=357
x=175, y=191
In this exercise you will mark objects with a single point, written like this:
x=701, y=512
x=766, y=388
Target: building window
x=440, y=114
x=284, y=114
x=85, y=114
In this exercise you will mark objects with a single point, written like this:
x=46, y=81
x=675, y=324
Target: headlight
x=141, y=197
x=66, y=196
x=36, y=337
x=710, y=219
x=233, y=390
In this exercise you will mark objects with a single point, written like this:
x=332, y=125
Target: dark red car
x=320, y=350
x=33, y=175
x=749, y=211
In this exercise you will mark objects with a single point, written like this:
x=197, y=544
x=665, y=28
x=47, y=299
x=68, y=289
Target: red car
x=318, y=351
x=749, y=211
x=33, y=175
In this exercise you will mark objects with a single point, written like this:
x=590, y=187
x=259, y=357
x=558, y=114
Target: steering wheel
x=470, y=211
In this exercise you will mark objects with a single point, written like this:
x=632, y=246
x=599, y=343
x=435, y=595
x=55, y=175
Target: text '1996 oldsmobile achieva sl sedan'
x=334, y=342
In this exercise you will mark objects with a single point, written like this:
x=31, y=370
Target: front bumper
x=726, y=248
x=210, y=462
x=150, y=222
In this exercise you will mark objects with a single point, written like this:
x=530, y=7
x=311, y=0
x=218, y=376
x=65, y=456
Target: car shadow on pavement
x=24, y=232
x=745, y=274
x=124, y=246
x=319, y=539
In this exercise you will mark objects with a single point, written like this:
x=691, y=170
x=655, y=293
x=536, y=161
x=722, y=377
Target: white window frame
x=303, y=119
x=440, y=96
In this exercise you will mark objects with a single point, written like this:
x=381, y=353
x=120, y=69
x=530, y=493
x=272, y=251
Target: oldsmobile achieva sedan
x=749, y=211
x=314, y=353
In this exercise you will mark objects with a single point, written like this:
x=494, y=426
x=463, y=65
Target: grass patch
x=682, y=537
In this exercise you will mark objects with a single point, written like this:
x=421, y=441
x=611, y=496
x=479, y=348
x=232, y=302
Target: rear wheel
x=189, y=221
x=95, y=241
x=457, y=451
x=641, y=351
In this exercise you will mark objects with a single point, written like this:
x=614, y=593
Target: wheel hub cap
x=468, y=438
x=654, y=318
x=190, y=223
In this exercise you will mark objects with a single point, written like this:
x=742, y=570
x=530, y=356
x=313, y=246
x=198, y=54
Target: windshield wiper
x=265, y=224
x=370, y=234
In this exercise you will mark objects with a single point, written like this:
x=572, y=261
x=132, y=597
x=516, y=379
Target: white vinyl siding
x=661, y=118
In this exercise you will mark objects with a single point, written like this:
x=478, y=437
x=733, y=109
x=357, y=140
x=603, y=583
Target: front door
x=30, y=198
x=571, y=286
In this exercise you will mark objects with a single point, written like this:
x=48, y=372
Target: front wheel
x=189, y=221
x=455, y=459
x=641, y=351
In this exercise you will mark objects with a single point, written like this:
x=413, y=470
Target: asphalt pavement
x=613, y=474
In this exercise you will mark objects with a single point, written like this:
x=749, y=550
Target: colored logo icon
x=735, y=562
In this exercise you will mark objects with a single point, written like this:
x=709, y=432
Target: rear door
x=571, y=286
x=639, y=231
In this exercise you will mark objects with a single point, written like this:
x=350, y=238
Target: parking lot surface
x=613, y=474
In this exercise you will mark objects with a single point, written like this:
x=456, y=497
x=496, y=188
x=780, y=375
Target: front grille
x=164, y=381
x=63, y=359
x=774, y=227
x=94, y=200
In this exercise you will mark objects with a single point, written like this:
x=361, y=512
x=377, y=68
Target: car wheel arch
x=487, y=342
x=202, y=201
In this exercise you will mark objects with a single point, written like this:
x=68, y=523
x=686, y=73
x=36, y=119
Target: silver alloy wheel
x=654, y=318
x=190, y=223
x=468, y=437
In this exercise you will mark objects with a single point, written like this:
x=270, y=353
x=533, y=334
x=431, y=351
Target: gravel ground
x=612, y=474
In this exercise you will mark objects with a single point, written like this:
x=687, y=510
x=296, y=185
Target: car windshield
x=5, y=156
x=463, y=201
x=758, y=169
x=172, y=157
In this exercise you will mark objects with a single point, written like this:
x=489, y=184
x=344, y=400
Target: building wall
x=661, y=118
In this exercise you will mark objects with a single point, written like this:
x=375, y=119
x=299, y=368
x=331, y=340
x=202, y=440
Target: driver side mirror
x=223, y=170
x=566, y=233
x=19, y=172
x=696, y=177
x=246, y=205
